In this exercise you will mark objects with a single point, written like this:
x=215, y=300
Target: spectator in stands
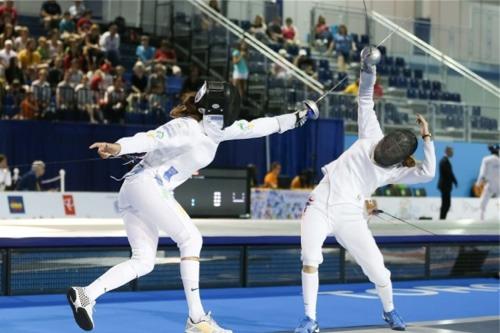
x=31, y=180
x=258, y=28
x=240, y=67
x=73, y=51
x=92, y=50
x=271, y=178
x=7, y=53
x=22, y=39
x=303, y=61
x=304, y=180
x=43, y=50
x=157, y=88
x=5, y=175
x=55, y=45
x=445, y=182
x=50, y=14
x=290, y=33
x=13, y=72
x=84, y=23
x=279, y=71
x=145, y=52
x=378, y=89
x=352, y=89
x=86, y=102
x=139, y=81
x=29, y=57
x=43, y=93
x=274, y=30
x=343, y=45
x=110, y=44
x=322, y=34
x=77, y=10
x=206, y=22
x=193, y=83
x=67, y=24
x=65, y=99
x=8, y=13
x=56, y=72
x=29, y=107
x=8, y=33
x=115, y=102
x=166, y=55
x=75, y=73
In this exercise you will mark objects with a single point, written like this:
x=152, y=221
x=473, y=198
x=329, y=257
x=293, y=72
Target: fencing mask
x=219, y=102
x=395, y=147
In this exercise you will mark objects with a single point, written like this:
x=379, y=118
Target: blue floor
x=255, y=310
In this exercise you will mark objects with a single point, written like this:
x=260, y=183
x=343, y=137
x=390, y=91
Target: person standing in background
x=271, y=178
x=489, y=177
x=240, y=68
x=5, y=175
x=31, y=180
x=446, y=181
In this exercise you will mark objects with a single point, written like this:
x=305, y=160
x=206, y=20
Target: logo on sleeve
x=170, y=173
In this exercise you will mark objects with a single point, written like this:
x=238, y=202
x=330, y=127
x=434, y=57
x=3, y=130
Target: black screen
x=216, y=193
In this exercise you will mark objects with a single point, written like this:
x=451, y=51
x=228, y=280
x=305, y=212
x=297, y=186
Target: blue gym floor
x=259, y=310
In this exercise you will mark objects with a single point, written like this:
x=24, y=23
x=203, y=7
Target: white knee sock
x=310, y=286
x=385, y=294
x=190, y=274
x=114, y=278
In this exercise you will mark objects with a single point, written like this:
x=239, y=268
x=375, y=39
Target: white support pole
x=62, y=175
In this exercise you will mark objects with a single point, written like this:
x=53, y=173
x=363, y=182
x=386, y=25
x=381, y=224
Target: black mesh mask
x=395, y=147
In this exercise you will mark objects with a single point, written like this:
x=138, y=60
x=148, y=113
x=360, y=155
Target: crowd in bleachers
x=65, y=66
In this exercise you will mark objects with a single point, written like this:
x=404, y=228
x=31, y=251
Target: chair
x=436, y=85
x=418, y=74
x=174, y=85
x=426, y=84
x=400, y=62
x=324, y=63
x=411, y=93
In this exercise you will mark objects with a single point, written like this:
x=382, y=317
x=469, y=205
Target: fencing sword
x=376, y=212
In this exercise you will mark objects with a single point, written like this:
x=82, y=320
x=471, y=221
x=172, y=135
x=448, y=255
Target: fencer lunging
x=174, y=152
x=336, y=206
x=489, y=177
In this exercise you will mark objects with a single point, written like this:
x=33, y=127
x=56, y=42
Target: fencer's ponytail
x=186, y=108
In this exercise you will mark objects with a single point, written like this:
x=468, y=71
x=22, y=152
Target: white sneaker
x=206, y=325
x=82, y=307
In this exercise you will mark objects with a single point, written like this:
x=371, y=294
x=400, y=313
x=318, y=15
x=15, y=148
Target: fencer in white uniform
x=174, y=152
x=336, y=205
x=489, y=175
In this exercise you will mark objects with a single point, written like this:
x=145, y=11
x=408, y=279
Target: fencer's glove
x=370, y=57
x=299, y=117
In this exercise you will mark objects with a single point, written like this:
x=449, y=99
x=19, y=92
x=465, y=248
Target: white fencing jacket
x=354, y=176
x=181, y=147
x=490, y=171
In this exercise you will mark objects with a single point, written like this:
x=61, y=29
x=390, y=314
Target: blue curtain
x=311, y=146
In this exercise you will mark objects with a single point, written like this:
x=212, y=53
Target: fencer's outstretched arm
x=173, y=134
x=261, y=127
x=368, y=125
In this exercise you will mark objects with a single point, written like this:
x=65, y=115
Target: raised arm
x=482, y=171
x=368, y=125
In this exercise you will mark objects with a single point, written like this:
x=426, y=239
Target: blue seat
x=418, y=74
x=388, y=61
x=402, y=82
x=134, y=118
x=400, y=62
x=411, y=93
x=324, y=63
x=407, y=72
x=394, y=71
x=476, y=111
x=423, y=94
x=434, y=95
x=436, y=85
x=426, y=84
x=355, y=37
x=382, y=69
x=383, y=50
x=365, y=40
x=292, y=50
x=414, y=83
x=245, y=25
x=174, y=85
x=393, y=81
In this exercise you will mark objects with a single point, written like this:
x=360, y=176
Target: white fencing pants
x=349, y=226
x=488, y=192
x=147, y=208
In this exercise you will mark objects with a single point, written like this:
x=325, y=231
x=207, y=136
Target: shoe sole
x=81, y=317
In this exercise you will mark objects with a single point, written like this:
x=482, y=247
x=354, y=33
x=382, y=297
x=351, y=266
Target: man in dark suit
x=446, y=181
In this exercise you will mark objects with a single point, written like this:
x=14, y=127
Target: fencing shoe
x=307, y=325
x=395, y=321
x=82, y=307
x=206, y=325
